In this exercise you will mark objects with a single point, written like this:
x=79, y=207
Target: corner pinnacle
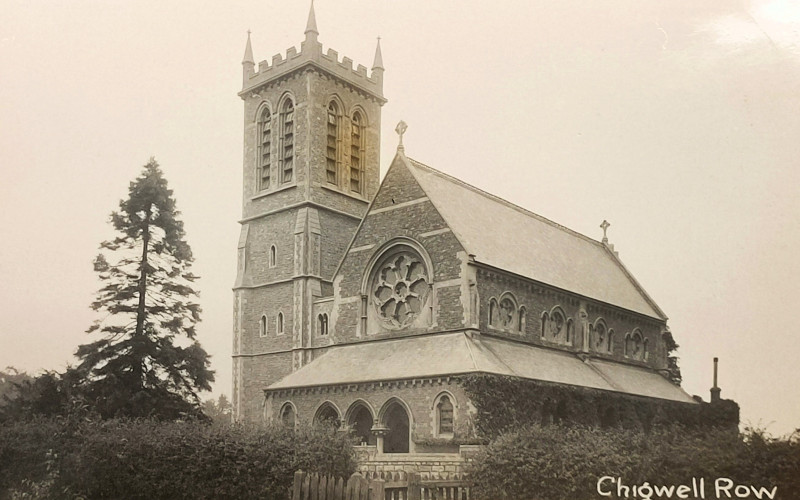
x=248, y=52
x=311, y=25
x=378, y=62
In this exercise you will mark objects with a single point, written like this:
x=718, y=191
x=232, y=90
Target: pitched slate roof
x=505, y=236
x=460, y=353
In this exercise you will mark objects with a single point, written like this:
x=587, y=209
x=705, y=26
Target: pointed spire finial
x=605, y=226
x=378, y=62
x=311, y=25
x=248, y=52
x=401, y=129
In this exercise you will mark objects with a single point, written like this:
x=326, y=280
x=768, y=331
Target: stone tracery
x=400, y=289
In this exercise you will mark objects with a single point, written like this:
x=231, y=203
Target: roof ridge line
x=509, y=204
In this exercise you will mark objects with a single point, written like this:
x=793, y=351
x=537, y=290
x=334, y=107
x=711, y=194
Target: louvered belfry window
x=287, y=116
x=332, y=143
x=264, y=149
x=356, y=149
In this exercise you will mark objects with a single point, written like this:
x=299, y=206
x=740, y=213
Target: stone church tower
x=311, y=166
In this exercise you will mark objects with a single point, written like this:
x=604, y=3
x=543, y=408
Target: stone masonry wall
x=417, y=396
x=402, y=212
x=539, y=298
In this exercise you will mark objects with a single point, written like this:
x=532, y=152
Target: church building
x=367, y=302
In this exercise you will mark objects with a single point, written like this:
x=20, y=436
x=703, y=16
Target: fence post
x=414, y=486
x=377, y=489
x=298, y=484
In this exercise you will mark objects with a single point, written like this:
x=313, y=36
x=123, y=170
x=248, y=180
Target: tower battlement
x=311, y=54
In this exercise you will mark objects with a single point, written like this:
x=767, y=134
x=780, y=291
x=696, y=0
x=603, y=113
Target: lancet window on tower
x=332, y=153
x=265, y=145
x=287, y=122
x=356, y=151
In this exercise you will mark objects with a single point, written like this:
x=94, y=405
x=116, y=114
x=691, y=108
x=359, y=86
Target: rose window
x=400, y=289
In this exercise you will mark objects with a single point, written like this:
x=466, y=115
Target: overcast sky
x=678, y=121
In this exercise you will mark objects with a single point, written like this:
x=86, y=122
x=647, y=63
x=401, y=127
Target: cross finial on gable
x=401, y=129
x=605, y=225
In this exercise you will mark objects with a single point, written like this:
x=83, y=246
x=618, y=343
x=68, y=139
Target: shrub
x=504, y=403
x=129, y=459
x=557, y=462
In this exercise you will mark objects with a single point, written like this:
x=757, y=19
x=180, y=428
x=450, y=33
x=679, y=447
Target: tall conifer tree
x=148, y=362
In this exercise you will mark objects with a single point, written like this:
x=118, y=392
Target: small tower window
x=287, y=122
x=356, y=150
x=279, y=324
x=323, y=324
x=265, y=145
x=273, y=256
x=445, y=413
x=522, y=319
x=262, y=326
x=332, y=151
x=492, y=311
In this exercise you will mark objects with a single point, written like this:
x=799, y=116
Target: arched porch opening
x=327, y=414
x=360, y=422
x=396, y=420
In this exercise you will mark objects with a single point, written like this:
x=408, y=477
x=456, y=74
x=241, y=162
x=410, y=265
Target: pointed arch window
x=600, y=335
x=332, y=150
x=492, y=311
x=264, y=149
x=273, y=256
x=635, y=345
x=262, y=326
x=288, y=416
x=287, y=124
x=444, y=414
x=356, y=152
x=279, y=324
x=323, y=324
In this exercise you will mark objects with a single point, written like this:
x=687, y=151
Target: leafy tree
x=10, y=380
x=672, y=359
x=48, y=394
x=219, y=411
x=148, y=362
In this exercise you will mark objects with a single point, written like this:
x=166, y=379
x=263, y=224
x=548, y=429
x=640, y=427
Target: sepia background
x=677, y=121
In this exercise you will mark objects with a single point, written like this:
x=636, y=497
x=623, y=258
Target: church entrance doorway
x=396, y=439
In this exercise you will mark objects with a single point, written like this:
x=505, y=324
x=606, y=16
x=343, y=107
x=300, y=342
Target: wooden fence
x=397, y=485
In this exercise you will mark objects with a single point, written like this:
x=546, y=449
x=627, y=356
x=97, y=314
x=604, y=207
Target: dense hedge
x=504, y=403
x=127, y=459
x=557, y=462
